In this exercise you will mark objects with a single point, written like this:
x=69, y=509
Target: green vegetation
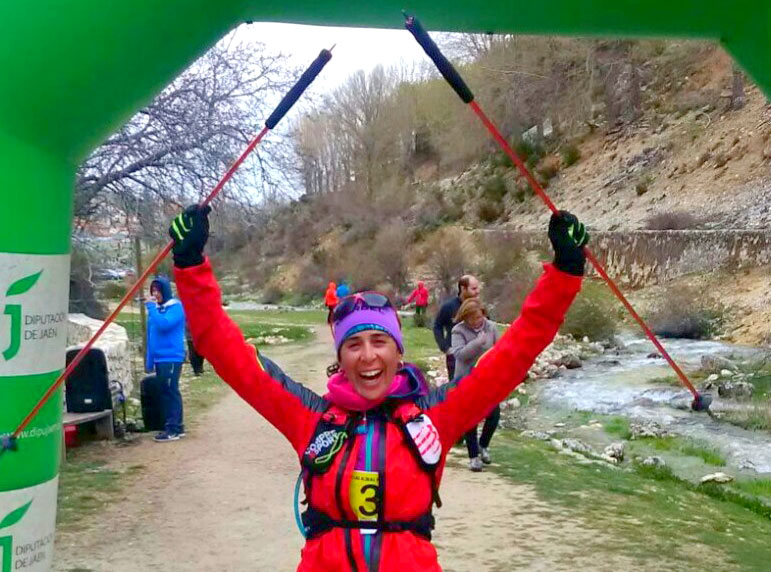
x=688, y=447
x=618, y=426
x=730, y=529
x=85, y=486
x=594, y=313
x=570, y=155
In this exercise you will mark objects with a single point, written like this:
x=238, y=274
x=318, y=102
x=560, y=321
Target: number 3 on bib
x=365, y=496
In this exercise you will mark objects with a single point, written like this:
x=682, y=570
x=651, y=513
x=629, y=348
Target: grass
x=88, y=484
x=687, y=447
x=655, y=518
x=292, y=325
x=85, y=486
x=618, y=427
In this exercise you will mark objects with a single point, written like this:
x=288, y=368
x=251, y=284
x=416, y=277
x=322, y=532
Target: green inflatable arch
x=72, y=70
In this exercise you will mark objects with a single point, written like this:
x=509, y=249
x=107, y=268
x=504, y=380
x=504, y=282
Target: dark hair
x=333, y=369
x=463, y=282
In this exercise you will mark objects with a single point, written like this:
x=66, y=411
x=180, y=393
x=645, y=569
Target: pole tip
x=701, y=402
x=8, y=443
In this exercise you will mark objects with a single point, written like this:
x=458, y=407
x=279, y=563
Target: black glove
x=190, y=231
x=568, y=238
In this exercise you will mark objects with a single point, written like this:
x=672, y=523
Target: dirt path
x=221, y=500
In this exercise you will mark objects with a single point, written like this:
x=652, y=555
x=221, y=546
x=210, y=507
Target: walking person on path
x=166, y=354
x=372, y=449
x=468, y=287
x=330, y=300
x=472, y=336
x=420, y=296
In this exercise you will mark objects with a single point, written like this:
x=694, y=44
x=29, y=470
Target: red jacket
x=330, y=297
x=420, y=295
x=403, y=489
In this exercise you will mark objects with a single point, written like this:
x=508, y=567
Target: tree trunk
x=738, y=99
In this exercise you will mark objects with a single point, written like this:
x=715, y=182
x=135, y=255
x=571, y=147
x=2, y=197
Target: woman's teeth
x=370, y=375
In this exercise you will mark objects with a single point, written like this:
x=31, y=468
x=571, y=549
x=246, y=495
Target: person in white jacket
x=472, y=336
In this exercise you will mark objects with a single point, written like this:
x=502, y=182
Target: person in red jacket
x=373, y=448
x=420, y=297
x=330, y=300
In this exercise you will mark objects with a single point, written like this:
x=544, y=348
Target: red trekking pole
x=701, y=401
x=286, y=103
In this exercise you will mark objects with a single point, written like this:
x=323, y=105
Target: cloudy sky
x=356, y=48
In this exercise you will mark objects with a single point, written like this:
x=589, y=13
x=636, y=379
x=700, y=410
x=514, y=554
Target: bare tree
x=175, y=149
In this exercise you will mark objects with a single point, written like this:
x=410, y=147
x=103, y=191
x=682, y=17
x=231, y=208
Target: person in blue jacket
x=343, y=290
x=166, y=353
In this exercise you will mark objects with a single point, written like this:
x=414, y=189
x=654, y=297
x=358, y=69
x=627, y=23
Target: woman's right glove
x=568, y=238
x=190, y=231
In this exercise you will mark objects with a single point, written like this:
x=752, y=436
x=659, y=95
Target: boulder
x=735, y=389
x=615, y=451
x=577, y=447
x=714, y=363
x=568, y=359
x=647, y=429
x=653, y=462
x=540, y=435
x=114, y=342
x=719, y=478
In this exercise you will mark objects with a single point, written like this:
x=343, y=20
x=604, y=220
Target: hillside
x=684, y=156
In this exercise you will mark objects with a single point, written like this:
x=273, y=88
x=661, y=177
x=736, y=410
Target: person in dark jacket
x=373, y=447
x=468, y=287
x=166, y=353
x=196, y=359
x=472, y=336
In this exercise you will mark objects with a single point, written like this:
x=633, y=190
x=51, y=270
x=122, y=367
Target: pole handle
x=298, y=88
x=442, y=63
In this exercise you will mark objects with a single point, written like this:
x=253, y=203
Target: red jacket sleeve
x=456, y=407
x=289, y=406
x=412, y=296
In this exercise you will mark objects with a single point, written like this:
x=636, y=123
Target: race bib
x=365, y=497
x=426, y=439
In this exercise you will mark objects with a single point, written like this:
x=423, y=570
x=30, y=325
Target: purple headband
x=365, y=318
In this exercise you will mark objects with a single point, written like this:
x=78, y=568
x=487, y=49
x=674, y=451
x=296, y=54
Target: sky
x=355, y=49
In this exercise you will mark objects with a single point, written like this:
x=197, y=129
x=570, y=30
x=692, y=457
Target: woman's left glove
x=190, y=231
x=568, y=238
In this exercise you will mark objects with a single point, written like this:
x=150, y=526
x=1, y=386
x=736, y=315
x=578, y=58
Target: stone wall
x=643, y=257
x=114, y=342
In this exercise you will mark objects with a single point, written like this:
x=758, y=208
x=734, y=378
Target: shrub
x=548, y=171
x=494, y=189
x=673, y=220
x=686, y=312
x=113, y=290
x=593, y=313
x=446, y=256
x=507, y=274
x=311, y=280
x=273, y=294
x=489, y=212
x=570, y=155
x=528, y=151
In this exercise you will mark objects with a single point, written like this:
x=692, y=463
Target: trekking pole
x=286, y=103
x=701, y=401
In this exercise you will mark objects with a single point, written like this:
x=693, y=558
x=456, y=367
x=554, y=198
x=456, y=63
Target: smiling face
x=370, y=360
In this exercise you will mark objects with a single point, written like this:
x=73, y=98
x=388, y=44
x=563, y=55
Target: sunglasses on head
x=360, y=299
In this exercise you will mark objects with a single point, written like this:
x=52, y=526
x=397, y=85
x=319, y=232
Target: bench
x=101, y=419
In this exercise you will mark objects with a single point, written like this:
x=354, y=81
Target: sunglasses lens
x=369, y=299
x=376, y=300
